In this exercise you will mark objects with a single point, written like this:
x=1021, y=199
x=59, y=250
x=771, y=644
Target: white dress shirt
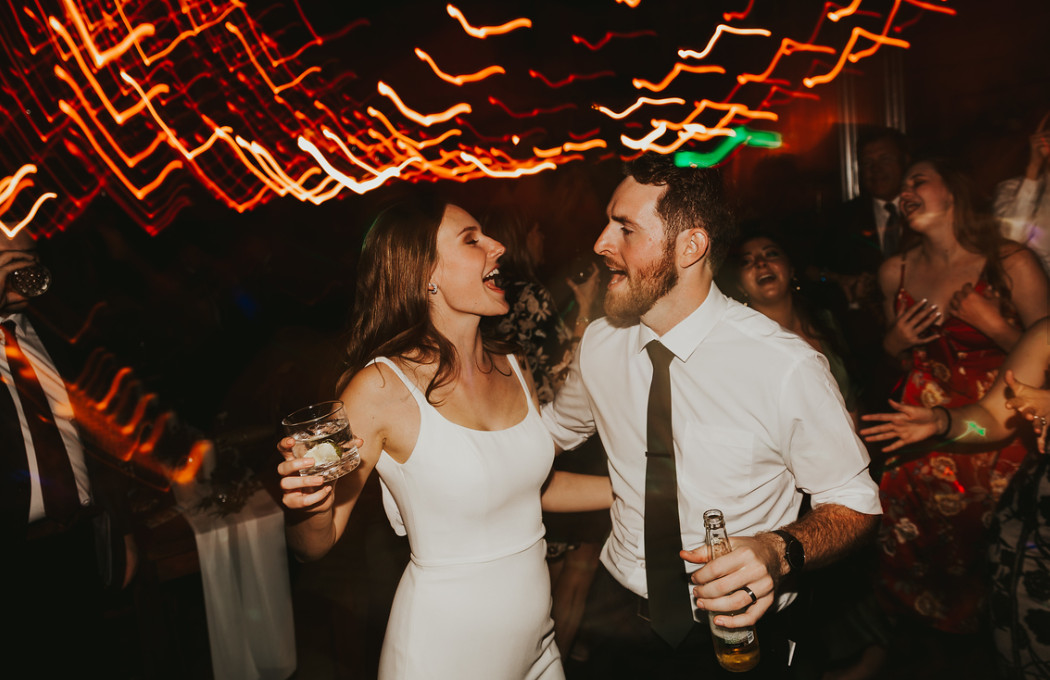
x=757, y=420
x=882, y=216
x=55, y=390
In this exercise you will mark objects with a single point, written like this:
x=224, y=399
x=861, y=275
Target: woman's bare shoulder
x=376, y=388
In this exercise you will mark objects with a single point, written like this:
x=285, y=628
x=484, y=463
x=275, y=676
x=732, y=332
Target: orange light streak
x=568, y=146
x=571, y=77
x=22, y=184
x=722, y=28
x=609, y=36
x=584, y=146
x=148, y=59
x=9, y=186
x=131, y=161
x=530, y=114
x=486, y=31
x=729, y=16
x=11, y=232
x=678, y=69
x=787, y=48
x=103, y=58
x=459, y=80
x=645, y=141
x=638, y=104
x=630, y=3
x=847, y=54
x=930, y=6
x=119, y=116
x=732, y=110
x=139, y=193
x=845, y=11
x=347, y=181
x=283, y=183
x=532, y=170
x=277, y=89
x=426, y=121
x=188, y=471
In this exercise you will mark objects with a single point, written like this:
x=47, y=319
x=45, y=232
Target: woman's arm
x=318, y=512
x=991, y=419
x=574, y=492
x=1028, y=293
x=1029, y=287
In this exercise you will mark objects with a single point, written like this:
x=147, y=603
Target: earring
x=795, y=283
x=432, y=288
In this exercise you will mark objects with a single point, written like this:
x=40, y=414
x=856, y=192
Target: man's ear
x=693, y=246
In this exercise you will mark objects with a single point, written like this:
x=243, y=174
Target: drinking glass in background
x=30, y=281
x=322, y=432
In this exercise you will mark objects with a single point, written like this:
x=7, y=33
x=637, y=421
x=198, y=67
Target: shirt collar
x=18, y=318
x=687, y=335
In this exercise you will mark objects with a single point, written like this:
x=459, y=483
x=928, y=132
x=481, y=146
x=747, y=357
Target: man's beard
x=626, y=307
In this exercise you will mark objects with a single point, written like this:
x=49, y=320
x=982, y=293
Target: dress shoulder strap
x=521, y=379
x=900, y=284
x=419, y=397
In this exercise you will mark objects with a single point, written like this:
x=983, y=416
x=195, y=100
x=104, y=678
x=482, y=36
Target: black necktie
x=57, y=482
x=892, y=235
x=669, y=607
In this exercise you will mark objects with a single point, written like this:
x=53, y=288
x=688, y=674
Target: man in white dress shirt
x=757, y=422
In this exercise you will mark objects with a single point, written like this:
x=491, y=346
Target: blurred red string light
x=162, y=104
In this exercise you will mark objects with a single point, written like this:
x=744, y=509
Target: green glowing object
x=741, y=135
x=975, y=428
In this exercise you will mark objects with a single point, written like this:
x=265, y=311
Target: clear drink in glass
x=322, y=432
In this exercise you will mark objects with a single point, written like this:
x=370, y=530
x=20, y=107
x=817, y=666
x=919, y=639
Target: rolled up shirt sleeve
x=820, y=446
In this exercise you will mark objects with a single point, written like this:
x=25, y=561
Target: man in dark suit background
x=859, y=235
x=64, y=515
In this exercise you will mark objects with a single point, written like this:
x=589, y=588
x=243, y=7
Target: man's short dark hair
x=694, y=198
x=877, y=133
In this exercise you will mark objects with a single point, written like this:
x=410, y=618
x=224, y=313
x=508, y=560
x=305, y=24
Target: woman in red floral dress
x=960, y=298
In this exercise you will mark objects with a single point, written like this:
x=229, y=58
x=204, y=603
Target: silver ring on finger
x=750, y=592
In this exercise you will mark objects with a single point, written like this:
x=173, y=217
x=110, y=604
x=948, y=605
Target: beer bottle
x=736, y=648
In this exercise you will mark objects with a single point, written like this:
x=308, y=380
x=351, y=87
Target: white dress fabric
x=474, y=602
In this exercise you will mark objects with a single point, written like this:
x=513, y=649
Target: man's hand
x=755, y=562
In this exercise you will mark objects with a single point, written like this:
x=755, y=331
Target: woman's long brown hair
x=391, y=305
x=975, y=228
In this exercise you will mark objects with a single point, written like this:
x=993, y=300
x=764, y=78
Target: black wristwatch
x=794, y=553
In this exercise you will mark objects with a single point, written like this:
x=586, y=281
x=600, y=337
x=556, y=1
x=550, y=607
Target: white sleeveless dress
x=474, y=602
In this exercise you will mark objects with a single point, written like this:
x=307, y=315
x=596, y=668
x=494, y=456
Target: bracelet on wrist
x=583, y=320
x=948, y=415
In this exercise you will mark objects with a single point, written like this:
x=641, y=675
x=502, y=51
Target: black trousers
x=57, y=604
x=621, y=644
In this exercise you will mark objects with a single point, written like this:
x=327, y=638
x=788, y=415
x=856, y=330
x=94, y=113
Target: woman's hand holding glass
x=311, y=492
x=908, y=425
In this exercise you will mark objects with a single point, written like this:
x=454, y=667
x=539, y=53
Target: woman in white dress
x=450, y=422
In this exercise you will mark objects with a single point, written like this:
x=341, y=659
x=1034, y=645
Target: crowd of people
x=847, y=551
x=867, y=409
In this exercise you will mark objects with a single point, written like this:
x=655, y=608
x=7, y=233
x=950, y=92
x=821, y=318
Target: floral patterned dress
x=937, y=508
x=533, y=323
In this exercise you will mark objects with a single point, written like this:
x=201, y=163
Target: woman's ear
x=694, y=244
